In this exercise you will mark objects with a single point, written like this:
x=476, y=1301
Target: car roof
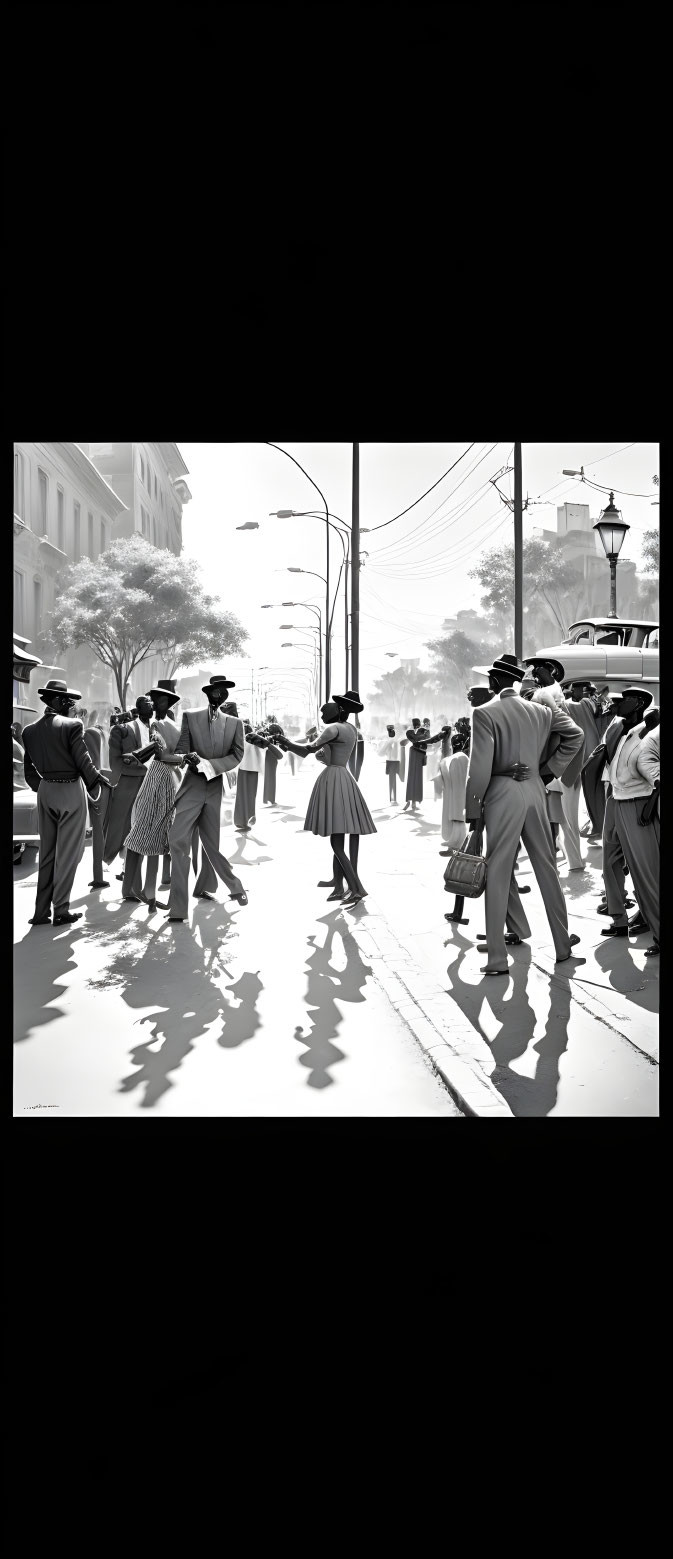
x=613, y=622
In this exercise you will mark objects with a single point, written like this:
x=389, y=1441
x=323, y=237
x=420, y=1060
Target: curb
x=443, y=1033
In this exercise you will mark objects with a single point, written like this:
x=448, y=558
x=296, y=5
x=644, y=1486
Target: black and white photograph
x=336, y=780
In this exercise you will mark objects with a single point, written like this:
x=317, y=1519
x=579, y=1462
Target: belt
x=511, y=772
x=70, y=779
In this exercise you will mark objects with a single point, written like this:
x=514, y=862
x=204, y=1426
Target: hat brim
x=162, y=692
x=345, y=703
x=551, y=664
x=219, y=683
x=58, y=692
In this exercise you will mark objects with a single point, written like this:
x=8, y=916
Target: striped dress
x=154, y=806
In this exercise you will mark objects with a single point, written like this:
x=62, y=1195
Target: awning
x=19, y=654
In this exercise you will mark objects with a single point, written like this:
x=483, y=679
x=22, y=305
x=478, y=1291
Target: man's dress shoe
x=68, y=918
x=615, y=931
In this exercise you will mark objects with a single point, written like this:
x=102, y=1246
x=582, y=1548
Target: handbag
x=465, y=872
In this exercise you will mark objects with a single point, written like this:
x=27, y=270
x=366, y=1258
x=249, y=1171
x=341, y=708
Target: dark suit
x=94, y=742
x=127, y=779
x=58, y=766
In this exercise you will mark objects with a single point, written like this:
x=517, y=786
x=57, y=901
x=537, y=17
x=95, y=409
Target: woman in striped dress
x=153, y=810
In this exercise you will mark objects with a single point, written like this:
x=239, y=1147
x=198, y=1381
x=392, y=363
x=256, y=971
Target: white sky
x=416, y=573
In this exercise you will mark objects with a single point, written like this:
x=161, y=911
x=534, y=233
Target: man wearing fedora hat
x=517, y=747
x=58, y=766
x=213, y=745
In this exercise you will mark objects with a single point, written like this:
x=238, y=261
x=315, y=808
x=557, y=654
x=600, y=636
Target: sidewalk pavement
x=595, y=1027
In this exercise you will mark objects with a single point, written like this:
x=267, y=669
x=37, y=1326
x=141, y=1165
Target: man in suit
x=214, y=745
x=127, y=774
x=517, y=747
x=55, y=764
x=630, y=787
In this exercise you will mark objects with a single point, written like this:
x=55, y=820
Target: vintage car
x=26, y=831
x=610, y=651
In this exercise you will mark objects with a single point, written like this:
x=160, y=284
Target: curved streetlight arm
x=321, y=495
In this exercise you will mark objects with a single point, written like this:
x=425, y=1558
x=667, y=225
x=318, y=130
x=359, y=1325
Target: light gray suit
x=199, y=801
x=506, y=731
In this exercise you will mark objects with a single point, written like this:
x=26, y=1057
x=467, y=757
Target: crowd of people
x=509, y=774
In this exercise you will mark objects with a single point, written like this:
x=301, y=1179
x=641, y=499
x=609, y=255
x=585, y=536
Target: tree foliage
x=548, y=579
x=650, y=546
x=400, y=693
x=136, y=600
x=453, y=658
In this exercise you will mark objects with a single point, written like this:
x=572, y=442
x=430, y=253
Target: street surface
x=270, y=1008
x=584, y=1043
x=265, y=1009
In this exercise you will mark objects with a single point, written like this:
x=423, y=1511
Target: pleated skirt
x=337, y=805
x=154, y=810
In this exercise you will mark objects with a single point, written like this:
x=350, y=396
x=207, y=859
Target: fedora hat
x=162, y=691
x=217, y=682
x=349, y=700
x=642, y=693
x=55, y=688
x=167, y=684
x=554, y=666
x=504, y=664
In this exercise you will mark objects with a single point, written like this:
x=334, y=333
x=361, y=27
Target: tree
x=453, y=659
x=136, y=600
x=400, y=692
x=548, y=580
x=650, y=546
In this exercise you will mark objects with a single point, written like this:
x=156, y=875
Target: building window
x=18, y=602
x=154, y=531
x=60, y=519
x=102, y=535
x=77, y=539
x=90, y=536
x=155, y=487
x=149, y=479
x=142, y=469
x=144, y=517
x=161, y=497
x=37, y=608
x=42, y=503
x=19, y=485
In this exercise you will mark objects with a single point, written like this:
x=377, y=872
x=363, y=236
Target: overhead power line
x=428, y=490
x=402, y=544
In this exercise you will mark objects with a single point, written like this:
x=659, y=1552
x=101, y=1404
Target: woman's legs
x=342, y=863
x=353, y=851
x=132, y=881
x=456, y=914
x=151, y=877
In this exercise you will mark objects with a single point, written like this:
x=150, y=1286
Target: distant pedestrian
x=389, y=749
x=336, y=805
x=154, y=807
x=630, y=788
x=416, y=764
x=247, y=776
x=272, y=758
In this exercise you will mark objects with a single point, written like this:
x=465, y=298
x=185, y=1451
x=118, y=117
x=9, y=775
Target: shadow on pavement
x=641, y=986
x=513, y=1012
x=326, y=985
x=45, y=954
x=164, y=967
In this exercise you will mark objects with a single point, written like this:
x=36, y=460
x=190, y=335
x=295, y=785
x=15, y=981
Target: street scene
x=382, y=840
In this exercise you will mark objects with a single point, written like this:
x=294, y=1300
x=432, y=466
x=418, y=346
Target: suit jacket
x=221, y=741
x=124, y=739
x=515, y=730
x=584, y=715
x=55, y=749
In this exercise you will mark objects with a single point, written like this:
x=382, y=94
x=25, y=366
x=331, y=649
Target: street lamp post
x=342, y=530
x=324, y=500
x=309, y=607
x=612, y=530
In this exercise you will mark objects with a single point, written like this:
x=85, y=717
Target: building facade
x=150, y=481
x=71, y=501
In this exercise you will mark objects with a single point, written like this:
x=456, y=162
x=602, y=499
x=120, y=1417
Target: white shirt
x=389, y=748
x=626, y=780
x=252, y=761
x=646, y=757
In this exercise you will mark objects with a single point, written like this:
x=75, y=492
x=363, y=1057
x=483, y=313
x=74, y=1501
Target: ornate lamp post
x=612, y=530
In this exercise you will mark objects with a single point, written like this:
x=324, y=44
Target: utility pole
x=518, y=555
x=355, y=574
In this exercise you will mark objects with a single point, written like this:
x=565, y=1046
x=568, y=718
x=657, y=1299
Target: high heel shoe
x=337, y=894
